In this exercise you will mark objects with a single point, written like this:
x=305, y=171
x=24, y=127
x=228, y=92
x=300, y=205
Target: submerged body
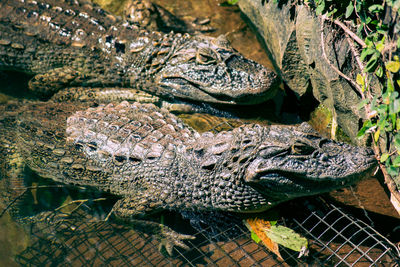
x=66, y=44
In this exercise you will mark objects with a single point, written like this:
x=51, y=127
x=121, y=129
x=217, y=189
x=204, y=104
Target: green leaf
x=361, y=15
x=396, y=162
x=359, y=30
x=358, y=6
x=255, y=237
x=380, y=47
x=382, y=124
x=389, y=85
x=394, y=106
x=287, y=237
x=379, y=72
x=393, y=171
x=397, y=142
x=367, y=125
x=349, y=9
x=381, y=31
x=362, y=103
x=384, y=157
x=372, y=63
x=383, y=27
x=320, y=8
x=375, y=8
x=273, y=222
x=366, y=52
x=393, y=66
x=368, y=41
x=232, y=2
x=332, y=12
x=393, y=118
x=375, y=22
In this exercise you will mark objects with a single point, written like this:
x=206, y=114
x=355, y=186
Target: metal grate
x=336, y=239
x=346, y=241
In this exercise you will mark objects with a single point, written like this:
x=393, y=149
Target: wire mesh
x=336, y=239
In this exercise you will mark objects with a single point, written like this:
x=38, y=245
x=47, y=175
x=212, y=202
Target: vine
x=372, y=30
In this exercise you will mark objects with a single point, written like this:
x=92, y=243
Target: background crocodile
x=66, y=44
x=150, y=159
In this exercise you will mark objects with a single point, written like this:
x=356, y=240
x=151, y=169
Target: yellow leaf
x=393, y=66
x=360, y=79
x=376, y=135
x=380, y=47
x=258, y=226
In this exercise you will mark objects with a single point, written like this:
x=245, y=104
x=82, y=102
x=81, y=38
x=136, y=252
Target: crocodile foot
x=52, y=81
x=169, y=239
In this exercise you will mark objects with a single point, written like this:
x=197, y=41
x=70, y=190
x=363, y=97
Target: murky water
x=85, y=241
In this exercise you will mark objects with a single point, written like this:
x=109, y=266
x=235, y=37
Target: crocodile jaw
x=319, y=172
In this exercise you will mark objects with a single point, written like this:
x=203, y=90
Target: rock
x=292, y=36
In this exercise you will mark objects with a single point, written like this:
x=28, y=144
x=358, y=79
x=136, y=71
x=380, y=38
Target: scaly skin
x=153, y=161
x=75, y=44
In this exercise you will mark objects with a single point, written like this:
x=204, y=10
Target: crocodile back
x=38, y=36
x=110, y=147
x=127, y=133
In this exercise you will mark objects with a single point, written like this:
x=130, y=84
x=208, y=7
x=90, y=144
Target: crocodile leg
x=104, y=95
x=118, y=94
x=129, y=209
x=53, y=80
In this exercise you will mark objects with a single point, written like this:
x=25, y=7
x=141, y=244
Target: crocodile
x=68, y=44
x=153, y=161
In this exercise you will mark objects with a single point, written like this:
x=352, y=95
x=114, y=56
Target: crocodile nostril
x=322, y=142
x=315, y=154
x=324, y=157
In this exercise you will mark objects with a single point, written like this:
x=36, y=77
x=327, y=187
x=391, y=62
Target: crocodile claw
x=170, y=238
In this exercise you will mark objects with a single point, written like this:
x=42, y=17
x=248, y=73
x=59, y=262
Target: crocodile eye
x=272, y=151
x=205, y=56
x=300, y=148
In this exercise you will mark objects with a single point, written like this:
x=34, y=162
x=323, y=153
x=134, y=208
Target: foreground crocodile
x=66, y=44
x=150, y=159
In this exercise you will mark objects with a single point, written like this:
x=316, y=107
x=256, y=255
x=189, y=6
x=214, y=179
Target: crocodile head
x=295, y=161
x=209, y=69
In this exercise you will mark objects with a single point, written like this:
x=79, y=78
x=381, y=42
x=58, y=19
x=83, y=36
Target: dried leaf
x=258, y=227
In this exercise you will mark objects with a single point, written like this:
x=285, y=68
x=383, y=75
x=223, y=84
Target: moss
x=112, y=6
x=321, y=120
